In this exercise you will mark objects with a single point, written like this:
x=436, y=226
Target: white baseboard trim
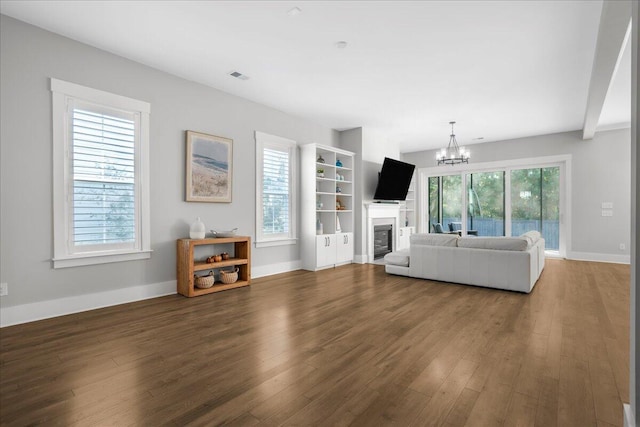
x=592, y=256
x=15, y=315
x=360, y=259
x=629, y=420
x=268, y=270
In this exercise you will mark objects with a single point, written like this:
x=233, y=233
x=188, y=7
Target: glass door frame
x=561, y=161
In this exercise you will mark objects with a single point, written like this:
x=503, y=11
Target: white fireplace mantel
x=381, y=211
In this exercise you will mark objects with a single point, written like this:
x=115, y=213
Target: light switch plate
x=607, y=212
x=4, y=289
x=607, y=205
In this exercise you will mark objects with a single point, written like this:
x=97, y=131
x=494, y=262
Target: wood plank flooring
x=346, y=346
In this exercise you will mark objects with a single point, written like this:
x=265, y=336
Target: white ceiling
x=501, y=69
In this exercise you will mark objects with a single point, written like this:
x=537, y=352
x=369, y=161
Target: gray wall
x=351, y=140
x=634, y=332
x=375, y=147
x=371, y=147
x=29, y=57
x=600, y=173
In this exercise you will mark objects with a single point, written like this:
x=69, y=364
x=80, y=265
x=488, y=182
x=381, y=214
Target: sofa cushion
x=400, y=258
x=434, y=239
x=532, y=236
x=497, y=243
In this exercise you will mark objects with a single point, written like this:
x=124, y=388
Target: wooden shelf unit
x=187, y=266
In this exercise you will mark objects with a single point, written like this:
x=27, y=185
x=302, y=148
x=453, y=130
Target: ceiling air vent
x=238, y=75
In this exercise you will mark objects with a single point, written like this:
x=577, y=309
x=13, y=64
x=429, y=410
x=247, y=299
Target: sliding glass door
x=434, y=202
x=525, y=201
x=551, y=207
x=452, y=202
x=505, y=202
x=485, y=203
x=535, y=203
x=445, y=203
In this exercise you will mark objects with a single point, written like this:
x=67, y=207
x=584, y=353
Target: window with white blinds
x=101, y=185
x=276, y=161
x=104, y=202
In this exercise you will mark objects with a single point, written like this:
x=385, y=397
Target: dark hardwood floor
x=346, y=346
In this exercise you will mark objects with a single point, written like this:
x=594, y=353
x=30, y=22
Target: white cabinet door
x=325, y=250
x=344, y=252
x=404, y=236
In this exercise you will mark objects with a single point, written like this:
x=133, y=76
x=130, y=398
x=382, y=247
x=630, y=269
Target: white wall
x=29, y=57
x=600, y=173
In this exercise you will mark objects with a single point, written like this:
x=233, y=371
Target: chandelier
x=453, y=154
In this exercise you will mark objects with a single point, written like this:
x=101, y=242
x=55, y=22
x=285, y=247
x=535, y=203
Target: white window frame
x=562, y=161
x=265, y=140
x=65, y=255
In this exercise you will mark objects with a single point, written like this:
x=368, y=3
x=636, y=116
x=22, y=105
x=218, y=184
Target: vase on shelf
x=197, y=229
x=338, y=163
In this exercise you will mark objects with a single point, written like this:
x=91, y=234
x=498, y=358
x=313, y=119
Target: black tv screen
x=394, y=180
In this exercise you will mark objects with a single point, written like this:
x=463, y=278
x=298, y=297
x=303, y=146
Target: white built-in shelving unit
x=327, y=202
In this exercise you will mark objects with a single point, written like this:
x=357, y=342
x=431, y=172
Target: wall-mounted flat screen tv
x=394, y=180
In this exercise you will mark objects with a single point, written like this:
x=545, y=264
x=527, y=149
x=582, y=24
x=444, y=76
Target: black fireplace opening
x=382, y=240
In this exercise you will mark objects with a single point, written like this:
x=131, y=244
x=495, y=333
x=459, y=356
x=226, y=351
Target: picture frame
x=209, y=173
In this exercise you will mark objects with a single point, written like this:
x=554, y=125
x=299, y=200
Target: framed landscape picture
x=209, y=168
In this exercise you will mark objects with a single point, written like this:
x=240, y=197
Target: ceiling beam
x=612, y=37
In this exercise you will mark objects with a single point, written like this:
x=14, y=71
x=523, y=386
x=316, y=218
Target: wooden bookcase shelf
x=187, y=266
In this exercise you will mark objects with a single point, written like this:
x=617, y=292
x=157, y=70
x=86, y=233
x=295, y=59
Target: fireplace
x=381, y=214
x=382, y=240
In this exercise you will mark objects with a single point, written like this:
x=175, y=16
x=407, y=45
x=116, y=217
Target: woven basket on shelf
x=228, y=277
x=204, y=282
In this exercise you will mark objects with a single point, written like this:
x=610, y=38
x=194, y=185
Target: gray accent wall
x=601, y=172
x=29, y=57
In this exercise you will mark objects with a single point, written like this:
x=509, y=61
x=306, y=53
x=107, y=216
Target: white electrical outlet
x=607, y=212
x=607, y=205
x=4, y=289
x=622, y=246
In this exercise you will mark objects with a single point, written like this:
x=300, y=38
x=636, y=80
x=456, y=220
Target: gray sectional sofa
x=511, y=263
